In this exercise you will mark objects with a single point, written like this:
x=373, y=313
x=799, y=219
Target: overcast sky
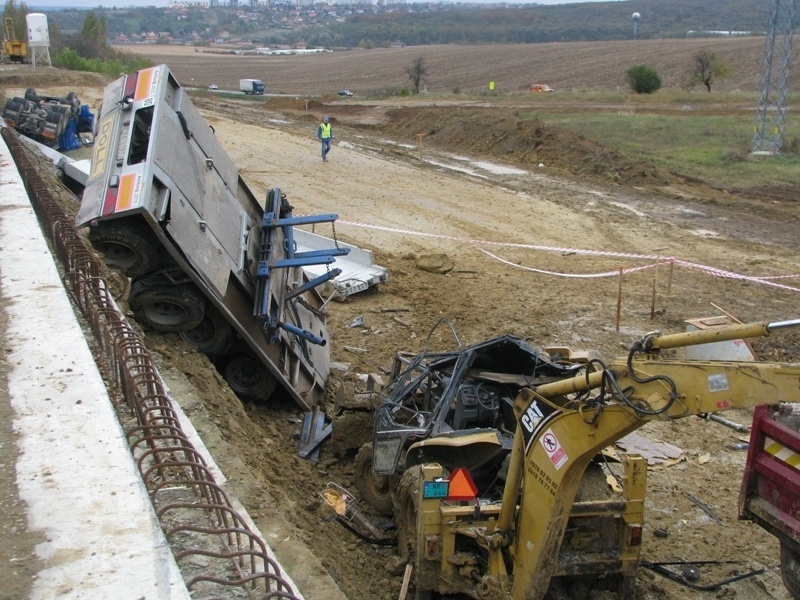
x=34, y=4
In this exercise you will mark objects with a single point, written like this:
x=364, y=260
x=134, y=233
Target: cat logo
x=533, y=418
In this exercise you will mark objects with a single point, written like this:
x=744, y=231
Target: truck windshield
x=140, y=136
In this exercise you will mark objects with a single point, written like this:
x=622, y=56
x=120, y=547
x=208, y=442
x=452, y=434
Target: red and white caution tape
x=659, y=260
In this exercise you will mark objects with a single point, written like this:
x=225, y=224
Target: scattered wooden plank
x=354, y=349
x=704, y=507
x=406, y=581
x=653, y=450
x=402, y=322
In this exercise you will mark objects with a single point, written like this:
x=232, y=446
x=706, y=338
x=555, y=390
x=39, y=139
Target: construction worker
x=325, y=135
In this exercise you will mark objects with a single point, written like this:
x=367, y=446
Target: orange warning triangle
x=461, y=486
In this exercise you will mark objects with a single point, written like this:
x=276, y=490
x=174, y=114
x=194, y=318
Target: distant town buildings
x=269, y=3
x=702, y=33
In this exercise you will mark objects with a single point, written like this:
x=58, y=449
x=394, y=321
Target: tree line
x=444, y=23
x=602, y=21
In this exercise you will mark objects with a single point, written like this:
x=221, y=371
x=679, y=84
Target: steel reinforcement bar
x=214, y=547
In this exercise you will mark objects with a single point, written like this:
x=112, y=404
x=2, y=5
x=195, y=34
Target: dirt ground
x=517, y=223
x=499, y=227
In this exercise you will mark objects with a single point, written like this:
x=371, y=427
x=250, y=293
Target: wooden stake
x=619, y=296
x=419, y=144
x=726, y=313
x=406, y=580
x=655, y=284
x=669, y=281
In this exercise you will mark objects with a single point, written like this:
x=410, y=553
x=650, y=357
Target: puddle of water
x=704, y=233
x=390, y=142
x=690, y=211
x=499, y=169
x=638, y=213
x=459, y=169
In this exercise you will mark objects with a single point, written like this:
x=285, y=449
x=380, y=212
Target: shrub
x=121, y=63
x=643, y=79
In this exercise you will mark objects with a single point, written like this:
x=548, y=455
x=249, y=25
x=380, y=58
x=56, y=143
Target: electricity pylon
x=774, y=89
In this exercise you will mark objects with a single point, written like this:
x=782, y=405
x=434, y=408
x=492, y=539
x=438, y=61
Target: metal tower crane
x=774, y=89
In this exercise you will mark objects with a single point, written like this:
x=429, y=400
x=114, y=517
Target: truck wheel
x=213, y=336
x=131, y=248
x=30, y=94
x=248, y=378
x=790, y=570
x=375, y=490
x=167, y=308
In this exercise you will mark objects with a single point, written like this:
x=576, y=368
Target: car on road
x=213, y=86
x=344, y=93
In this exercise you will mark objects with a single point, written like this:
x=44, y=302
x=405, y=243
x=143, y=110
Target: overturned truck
x=165, y=204
x=56, y=122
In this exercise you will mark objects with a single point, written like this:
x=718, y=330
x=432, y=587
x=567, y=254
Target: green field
x=707, y=137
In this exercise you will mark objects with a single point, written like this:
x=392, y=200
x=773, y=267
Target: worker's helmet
x=325, y=118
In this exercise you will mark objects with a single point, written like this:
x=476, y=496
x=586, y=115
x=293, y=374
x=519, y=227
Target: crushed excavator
x=502, y=506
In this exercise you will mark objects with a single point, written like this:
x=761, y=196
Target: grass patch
x=711, y=148
x=120, y=62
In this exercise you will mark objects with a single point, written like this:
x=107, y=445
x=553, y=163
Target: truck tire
x=248, y=378
x=213, y=336
x=790, y=570
x=30, y=95
x=132, y=248
x=375, y=490
x=167, y=308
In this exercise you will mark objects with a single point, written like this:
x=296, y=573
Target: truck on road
x=251, y=86
x=165, y=204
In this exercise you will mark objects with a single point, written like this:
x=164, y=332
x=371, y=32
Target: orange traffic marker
x=461, y=486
